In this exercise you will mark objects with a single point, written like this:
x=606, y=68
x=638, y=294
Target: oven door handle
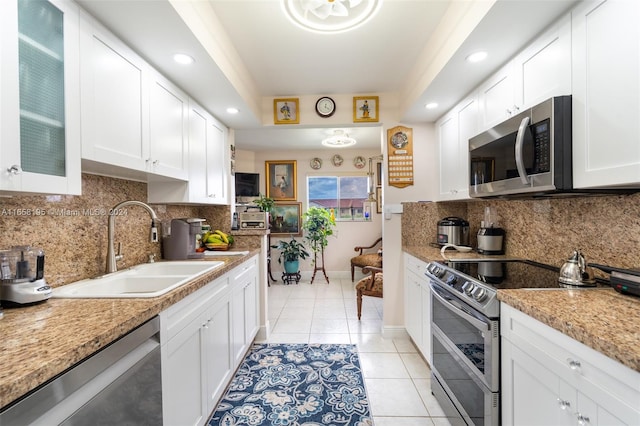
x=522, y=171
x=457, y=309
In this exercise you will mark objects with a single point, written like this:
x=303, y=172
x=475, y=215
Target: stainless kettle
x=575, y=272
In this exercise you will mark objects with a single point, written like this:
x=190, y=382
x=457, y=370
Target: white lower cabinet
x=549, y=378
x=418, y=304
x=244, y=303
x=200, y=344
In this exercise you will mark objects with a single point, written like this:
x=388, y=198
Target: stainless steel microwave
x=528, y=154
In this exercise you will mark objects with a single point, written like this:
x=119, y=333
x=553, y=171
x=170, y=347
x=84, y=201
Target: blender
x=490, y=236
x=22, y=275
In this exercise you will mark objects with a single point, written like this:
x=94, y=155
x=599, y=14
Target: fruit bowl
x=217, y=246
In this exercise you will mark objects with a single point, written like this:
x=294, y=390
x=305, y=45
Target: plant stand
x=317, y=268
x=288, y=278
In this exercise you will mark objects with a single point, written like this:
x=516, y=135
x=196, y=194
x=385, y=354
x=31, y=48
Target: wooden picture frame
x=286, y=219
x=378, y=199
x=286, y=111
x=365, y=109
x=281, y=180
x=379, y=173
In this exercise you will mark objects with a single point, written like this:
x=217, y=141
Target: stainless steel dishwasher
x=119, y=385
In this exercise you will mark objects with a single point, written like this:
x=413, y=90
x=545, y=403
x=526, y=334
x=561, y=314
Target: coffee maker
x=180, y=239
x=22, y=276
x=490, y=235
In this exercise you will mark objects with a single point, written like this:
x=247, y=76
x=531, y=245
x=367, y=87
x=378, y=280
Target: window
x=346, y=195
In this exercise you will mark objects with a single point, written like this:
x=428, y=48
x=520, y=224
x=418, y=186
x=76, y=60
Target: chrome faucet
x=111, y=255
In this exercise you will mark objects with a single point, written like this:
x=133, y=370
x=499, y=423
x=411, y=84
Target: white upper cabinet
x=114, y=91
x=454, y=131
x=39, y=97
x=208, y=171
x=497, y=101
x=217, y=164
x=134, y=121
x=168, y=129
x=540, y=71
x=606, y=94
x=543, y=69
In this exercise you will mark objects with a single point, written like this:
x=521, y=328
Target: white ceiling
x=247, y=53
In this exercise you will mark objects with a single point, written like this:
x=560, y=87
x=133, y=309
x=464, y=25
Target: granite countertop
x=40, y=341
x=602, y=319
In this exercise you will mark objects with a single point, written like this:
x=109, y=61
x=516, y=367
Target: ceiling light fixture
x=232, y=110
x=340, y=139
x=183, y=59
x=477, y=57
x=431, y=105
x=330, y=16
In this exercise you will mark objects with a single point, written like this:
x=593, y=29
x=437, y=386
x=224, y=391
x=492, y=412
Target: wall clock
x=325, y=107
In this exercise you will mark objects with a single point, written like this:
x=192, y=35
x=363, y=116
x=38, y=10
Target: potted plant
x=265, y=203
x=290, y=254
x=318, y=224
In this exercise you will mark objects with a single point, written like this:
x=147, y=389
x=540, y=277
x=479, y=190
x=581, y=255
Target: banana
x=222, y=235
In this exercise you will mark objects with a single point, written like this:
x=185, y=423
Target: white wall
x=348, y=234
x=425, y=188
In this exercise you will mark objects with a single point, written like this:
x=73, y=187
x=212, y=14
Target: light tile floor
x=396, y=377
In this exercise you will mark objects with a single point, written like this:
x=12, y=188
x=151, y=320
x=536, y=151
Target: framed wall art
x=400, y=158
x=365, y=109
x=378, y=199
x=286, y=219
x=281, y=180
x=285, y=111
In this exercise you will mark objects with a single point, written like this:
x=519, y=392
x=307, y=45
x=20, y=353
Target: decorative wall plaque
x=400, y=156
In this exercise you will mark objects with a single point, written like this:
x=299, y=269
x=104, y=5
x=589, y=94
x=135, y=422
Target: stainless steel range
x=465, y=324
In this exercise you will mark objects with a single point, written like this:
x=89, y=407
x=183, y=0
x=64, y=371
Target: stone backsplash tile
x=72, y=230
x=605, y=228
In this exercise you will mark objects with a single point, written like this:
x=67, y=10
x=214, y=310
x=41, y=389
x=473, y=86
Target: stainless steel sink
x=142, y=281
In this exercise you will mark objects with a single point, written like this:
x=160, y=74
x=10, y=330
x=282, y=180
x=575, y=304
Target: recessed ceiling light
x=183, y=59
x=477, y=57
x=431, y=105
x=232, y=110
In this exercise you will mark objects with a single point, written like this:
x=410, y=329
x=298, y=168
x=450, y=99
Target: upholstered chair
x=371, y=285
x=367, y=256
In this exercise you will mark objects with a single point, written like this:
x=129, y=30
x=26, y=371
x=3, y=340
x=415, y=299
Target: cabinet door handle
x=582, y=419
x=564, y=405
x=574, y=364
x=14, y=170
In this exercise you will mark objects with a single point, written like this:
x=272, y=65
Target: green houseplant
x=290, y=254
x=318, y=224
x=265, y=203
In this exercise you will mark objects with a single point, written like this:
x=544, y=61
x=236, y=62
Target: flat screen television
x=247, y=184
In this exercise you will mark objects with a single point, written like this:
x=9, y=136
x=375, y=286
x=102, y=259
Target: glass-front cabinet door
x=39, y=110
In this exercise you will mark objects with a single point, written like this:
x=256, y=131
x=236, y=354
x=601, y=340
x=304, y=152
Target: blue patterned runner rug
x=296, y=385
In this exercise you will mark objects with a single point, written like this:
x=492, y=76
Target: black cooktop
x=512, y=274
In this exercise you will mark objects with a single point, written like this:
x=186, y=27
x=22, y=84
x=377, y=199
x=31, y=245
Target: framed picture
x=281, y=180
x=285, y=111
x=365, y=109
x=286, y=219
x=378, y=199
x=379, y=173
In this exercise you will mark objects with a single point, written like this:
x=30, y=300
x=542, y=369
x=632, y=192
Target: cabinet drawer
x=583, y=367
x=415, y=265
x=176, y=317
x=240, y=273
